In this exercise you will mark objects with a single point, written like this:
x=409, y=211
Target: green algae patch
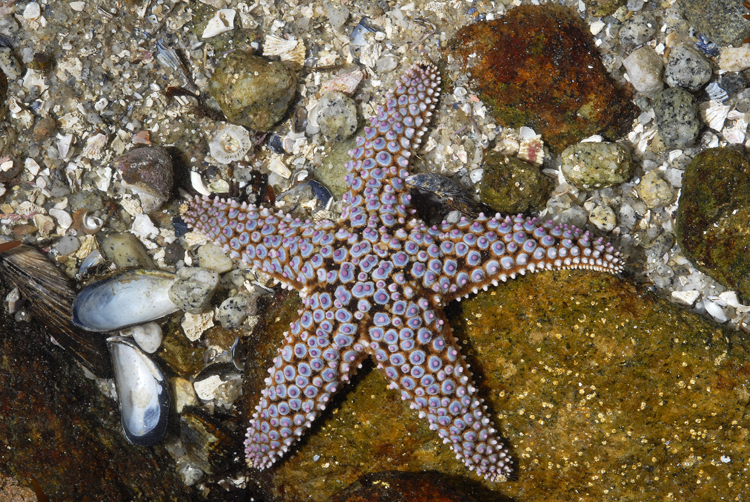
x=713, y=217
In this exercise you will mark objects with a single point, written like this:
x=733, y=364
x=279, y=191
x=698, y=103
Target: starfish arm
x=457, y=259
x=377, y=169
x=319, y=354
x=274, y=243
x=420, y=358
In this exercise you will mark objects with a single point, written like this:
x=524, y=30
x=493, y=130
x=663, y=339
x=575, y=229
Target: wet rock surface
x=512, y=186
x=713, y=215
x=394, y=486
x=537, y=67
x=253, y=91
x=676, y=117
x=587, y=375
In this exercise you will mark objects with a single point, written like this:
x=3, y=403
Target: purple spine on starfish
x=374, y=283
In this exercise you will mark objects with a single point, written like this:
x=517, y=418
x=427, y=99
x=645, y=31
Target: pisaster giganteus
x=375, y=283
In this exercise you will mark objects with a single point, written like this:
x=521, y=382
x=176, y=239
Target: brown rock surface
x=603, y=391
x=537, y=66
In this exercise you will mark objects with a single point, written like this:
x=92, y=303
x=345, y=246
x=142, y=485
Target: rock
x=654, y=191
x=732, y=83
x=676, y=117
x=67, y=245
x=602, y=8
x=337, y=116
x=591, y=165
x=233, y=311
x=603, y=217
x=392, y=486
x=193, y=289
x=687, y=68
x=734, y=58
x=645, y=68
x=713, y=215
x=332, y=171
x=3, y=94
x=637, y=30
x=125, y=250
x=43, y=129
x=720, y=21
x=183, y=393
x=91, y=200
x=212, y=257
x=253, y=91
x=550, y=79
x=572, y=365
x=147, y=172
x=511, y=186
x=9, y=64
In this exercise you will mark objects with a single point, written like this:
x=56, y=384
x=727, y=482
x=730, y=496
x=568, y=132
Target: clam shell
x=277, y=46
x=222, y=22
x=142, y=390
x=126, y=298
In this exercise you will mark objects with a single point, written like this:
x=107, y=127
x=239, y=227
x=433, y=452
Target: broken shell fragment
x=127, y=298
x=142, y=391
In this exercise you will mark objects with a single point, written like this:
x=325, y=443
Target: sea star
x=375, y=282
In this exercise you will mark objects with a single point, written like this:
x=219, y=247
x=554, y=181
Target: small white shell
x=197, y=182
x=230, y=144
x=714, y=114
x=346, y=82
x=222, y=22
x=278, y=167
x=63, y=144
x=95, y=146
x=277, y=46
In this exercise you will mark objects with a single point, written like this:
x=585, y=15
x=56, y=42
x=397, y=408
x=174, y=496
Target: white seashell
x=230, y=144
x=735, y=135
x=714, y=114
x=278, y=167
x=95, y=146
x=528, y=133
x=222, y=22
x=64, y=220
x=277, y=46
x=32, y=166
x=142, y=390
x=532, y=150
x=63, y=144
x=196, y=180
x=714, y=308
x=32, y=12
x=686, y=297
x=296, y=55
x=78, y=6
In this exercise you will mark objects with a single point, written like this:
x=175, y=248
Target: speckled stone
x=720, y=21
x=510, y=185
x=589, y=376
x=125, y=250
x=253, y=91
x=603, y=217
x=337, y=116
x=592, y=165
x=637, y=30
x=677, y=117
x=537, y=66
x=193, y=289
x=233, y=311
x=687, y=68
x=713, y=216
x=654, y=191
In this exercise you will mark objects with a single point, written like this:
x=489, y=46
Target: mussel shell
x=142, y=390
x=126, y=298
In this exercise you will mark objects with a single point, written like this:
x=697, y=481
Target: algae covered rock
x=510, y=185
x=713, y=217
x=592, y=165
x=253, y=91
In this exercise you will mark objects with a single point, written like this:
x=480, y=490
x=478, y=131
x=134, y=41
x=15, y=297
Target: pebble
x=193, y=289
x=603, y=217
x=147, y=172
x=733, y=83
x=637, y=30
x=677, y=117
x=43, y=129
x=148, y=336
x=687, y=68
x=590, y=165
x=212, y=257
x=253, y=91
x=9, y=64
x=126, y=250
x=654, y=191
x=510, y=185
x=67, y=245
x=337, y=116
x=720, y=21
x=233, y=311
x=645, y=68
x=183, y=393
x=734, y=58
